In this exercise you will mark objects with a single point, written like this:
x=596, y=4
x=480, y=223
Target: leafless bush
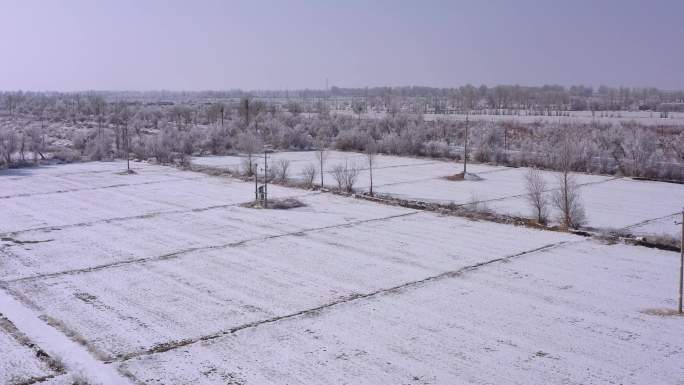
x=309, y=174
x=281, y=170
x=536, y=194
x=346, y=175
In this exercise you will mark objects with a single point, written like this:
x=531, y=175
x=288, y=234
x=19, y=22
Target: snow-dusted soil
x=610, y=202
x=174, y=282
x=569, y=315
x=70, y=199
x=18, y=362
x=130, y=308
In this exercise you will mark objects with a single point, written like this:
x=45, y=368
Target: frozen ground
x=610, y=202
x=19, y=362
x=569, y=315
x=173, y=282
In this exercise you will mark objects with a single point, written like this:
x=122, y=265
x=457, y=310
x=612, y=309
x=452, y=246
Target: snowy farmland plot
x=164, y=277
x=560, y=316
x=19, y=363
x=610, y=202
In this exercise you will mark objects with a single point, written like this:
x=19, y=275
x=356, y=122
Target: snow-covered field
x=19, y=363
x=570, y=315
x=610, y=202
x=165, y=277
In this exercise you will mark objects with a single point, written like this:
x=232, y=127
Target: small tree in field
x=249, y=144
x=281, y=169
x=371, y=152
x=567, y=198
x=322, y=155
x=536, y=195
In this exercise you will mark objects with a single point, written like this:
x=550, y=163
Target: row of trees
x=122, y=129
x=209, y=106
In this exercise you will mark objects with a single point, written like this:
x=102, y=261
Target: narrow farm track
x=348, y=299
x=180, y=253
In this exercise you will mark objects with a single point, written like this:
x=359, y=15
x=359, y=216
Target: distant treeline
x=437, y=100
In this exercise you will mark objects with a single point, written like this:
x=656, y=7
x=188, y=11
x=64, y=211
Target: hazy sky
x=205, y=44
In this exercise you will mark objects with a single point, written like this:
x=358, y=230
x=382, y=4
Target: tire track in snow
x=179, y=253
x=164, y=347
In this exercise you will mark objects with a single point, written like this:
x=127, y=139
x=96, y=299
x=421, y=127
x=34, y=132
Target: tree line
x=95, y=126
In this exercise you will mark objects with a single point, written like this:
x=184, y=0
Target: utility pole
x=681, y=265
x=267, y=149
x=321, y=153
x=256, y=183
x=265, y=178
x=465, y=150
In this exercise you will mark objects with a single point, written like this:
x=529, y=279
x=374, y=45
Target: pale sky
x=70, y=45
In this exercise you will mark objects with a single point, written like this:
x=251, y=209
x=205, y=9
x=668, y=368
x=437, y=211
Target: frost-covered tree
x=535, y=186
x=567, y=197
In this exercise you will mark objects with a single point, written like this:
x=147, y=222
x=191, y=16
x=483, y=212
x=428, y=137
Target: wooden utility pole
x=256, y=182
x=681, y=265
x=465, y=150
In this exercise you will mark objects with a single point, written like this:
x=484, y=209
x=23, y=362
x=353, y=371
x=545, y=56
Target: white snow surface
x=164, y=274
x=610, y=202
x=19, y=362
x=74, y=356
x=576, y=314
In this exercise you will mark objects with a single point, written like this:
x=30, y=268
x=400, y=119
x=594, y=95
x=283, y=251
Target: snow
x=173, y=281
x=610, y=202
x=74, y=356
x=569, y=315
x=19, y=362
x=130, y=308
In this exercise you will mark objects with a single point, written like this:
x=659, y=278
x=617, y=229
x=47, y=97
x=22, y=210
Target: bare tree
x=322, y=155
x=8, y=145
x=346, y=176
x=567, y=197
x=249, y=144
x=309, y=174
x=536, y=194
x=371, y=152
x=281, y=169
